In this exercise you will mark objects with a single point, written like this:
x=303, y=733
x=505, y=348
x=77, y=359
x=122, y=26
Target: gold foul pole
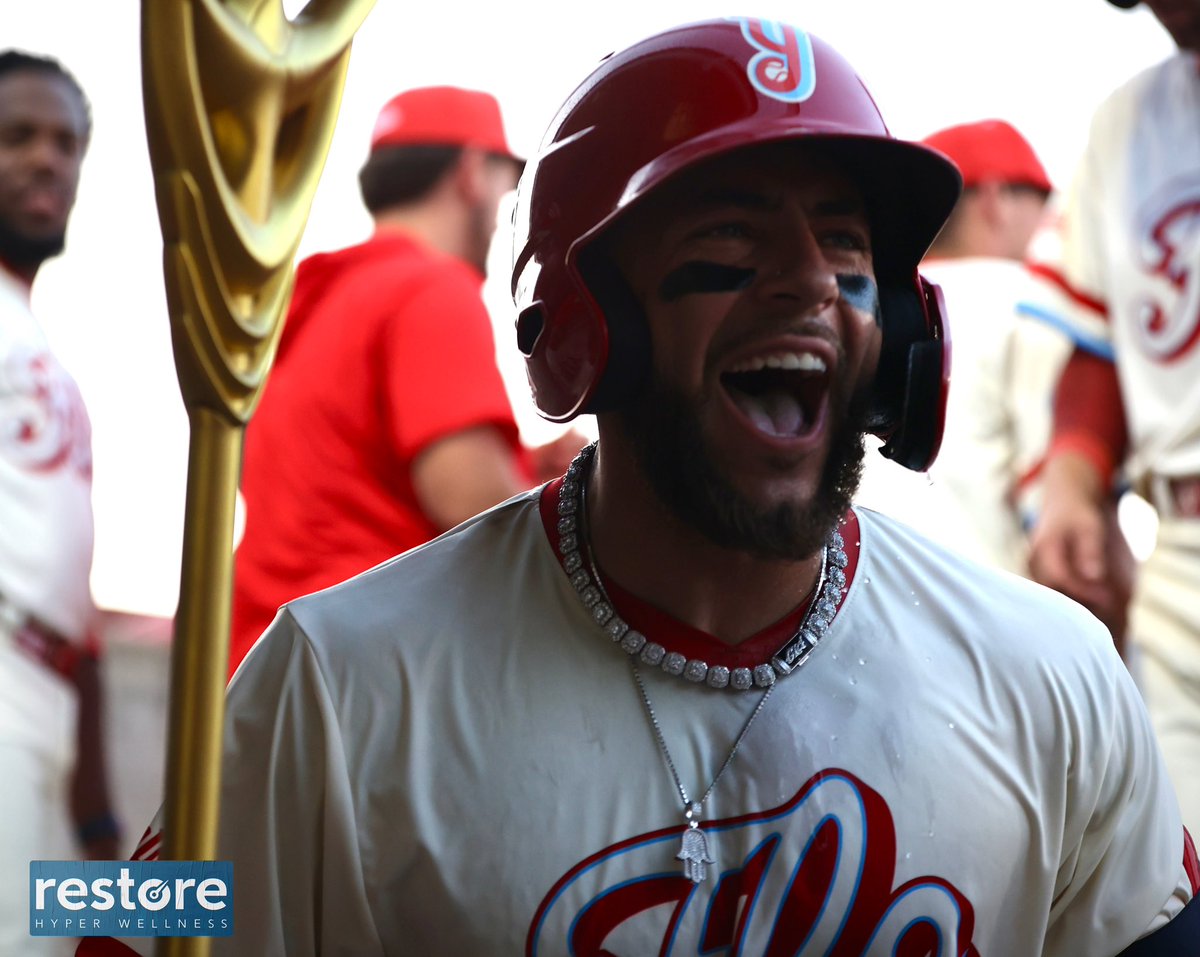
x=240, y=108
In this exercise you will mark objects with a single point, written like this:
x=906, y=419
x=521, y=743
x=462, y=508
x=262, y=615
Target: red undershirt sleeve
x=440, y=365
x=1089, y=417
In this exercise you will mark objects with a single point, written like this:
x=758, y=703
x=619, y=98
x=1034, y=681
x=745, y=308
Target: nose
x=45, y=154
x=799, y=274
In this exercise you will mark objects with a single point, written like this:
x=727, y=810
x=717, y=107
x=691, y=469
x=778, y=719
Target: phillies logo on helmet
x=1170, y=320
x=783, y=68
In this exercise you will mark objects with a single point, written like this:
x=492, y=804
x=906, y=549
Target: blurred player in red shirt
x=385, y=421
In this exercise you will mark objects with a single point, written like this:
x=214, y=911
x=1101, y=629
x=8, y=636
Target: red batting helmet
x=682, y=97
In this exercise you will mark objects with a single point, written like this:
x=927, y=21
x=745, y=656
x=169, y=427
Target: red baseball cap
x=442, y=116
x=991, y=150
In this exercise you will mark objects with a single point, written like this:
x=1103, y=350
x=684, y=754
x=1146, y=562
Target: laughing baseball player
x=687, y=699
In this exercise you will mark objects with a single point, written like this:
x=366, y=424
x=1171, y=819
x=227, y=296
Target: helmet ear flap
x=908, y=408
x=626, y=373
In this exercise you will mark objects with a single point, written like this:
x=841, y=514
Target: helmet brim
x=910, y=189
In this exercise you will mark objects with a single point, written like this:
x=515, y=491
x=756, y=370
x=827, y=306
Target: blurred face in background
x=43, y=136
x=1025, y=209
x=497, y=177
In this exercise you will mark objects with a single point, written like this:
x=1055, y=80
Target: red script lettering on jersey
x=821, y=869
x=1169, y=323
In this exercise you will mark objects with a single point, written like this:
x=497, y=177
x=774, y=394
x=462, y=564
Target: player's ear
x=470, y=175
x=989, y=201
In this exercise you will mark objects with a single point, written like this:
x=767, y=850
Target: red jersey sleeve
x=440, y=364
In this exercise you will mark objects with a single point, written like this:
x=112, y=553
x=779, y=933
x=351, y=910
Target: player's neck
x=640, y=544
x=438, y=222
x=23, y=274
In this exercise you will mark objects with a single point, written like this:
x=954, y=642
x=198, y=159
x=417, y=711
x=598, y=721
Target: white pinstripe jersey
x=447, y=756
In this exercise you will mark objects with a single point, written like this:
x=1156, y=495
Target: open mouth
x=782, y=394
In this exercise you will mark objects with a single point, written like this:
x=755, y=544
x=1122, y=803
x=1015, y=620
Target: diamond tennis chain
x=578, y=564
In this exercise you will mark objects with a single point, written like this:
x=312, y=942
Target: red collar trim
x=676, y=635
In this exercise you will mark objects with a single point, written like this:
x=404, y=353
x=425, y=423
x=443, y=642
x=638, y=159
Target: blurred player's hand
x=1077, y=546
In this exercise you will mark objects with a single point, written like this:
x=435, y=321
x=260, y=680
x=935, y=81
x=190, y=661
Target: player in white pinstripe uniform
x=975, y=497
x=1129, y=402
x=51, y=755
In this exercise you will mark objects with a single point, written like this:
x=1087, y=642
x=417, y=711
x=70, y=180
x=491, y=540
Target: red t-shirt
x=387, y=348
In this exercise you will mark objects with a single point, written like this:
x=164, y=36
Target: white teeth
x=802, y=361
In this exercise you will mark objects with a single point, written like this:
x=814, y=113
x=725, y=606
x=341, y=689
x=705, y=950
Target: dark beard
x=479, y=237
x=25, y=252
x=664, y=431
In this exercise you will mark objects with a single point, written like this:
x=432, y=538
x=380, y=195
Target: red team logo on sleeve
x=821, y=869
x=43, y=424
x=1169, y=321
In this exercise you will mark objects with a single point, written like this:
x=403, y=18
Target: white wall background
x=1042, y=64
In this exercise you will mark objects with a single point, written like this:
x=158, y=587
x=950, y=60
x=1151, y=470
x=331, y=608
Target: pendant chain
x=666, y=752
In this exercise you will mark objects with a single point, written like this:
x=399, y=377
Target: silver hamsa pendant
x=693, y=849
